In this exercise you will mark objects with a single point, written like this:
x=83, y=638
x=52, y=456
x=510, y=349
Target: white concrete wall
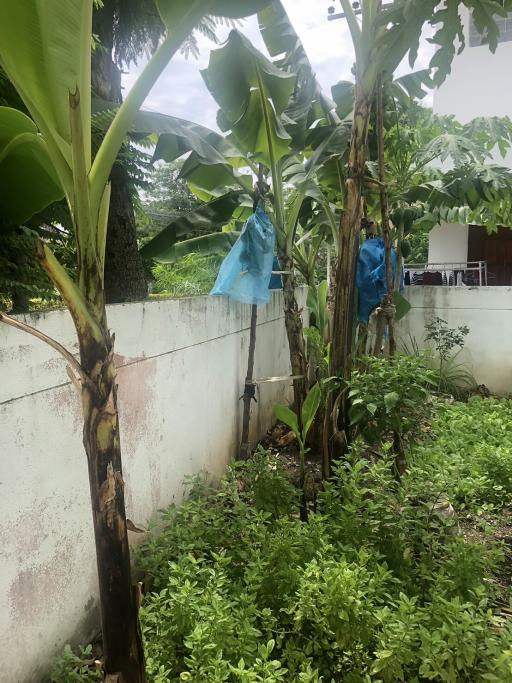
x=182, y=365
x=448, y=243
x=478, y=83
x=487, y=311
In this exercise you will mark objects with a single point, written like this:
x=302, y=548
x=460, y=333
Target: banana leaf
x=206, y=218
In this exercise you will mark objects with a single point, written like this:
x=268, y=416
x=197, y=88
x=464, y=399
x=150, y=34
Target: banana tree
x=382, y=37
x=257, y=100
x=45, y=50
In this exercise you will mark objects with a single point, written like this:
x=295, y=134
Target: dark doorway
x=496, y=249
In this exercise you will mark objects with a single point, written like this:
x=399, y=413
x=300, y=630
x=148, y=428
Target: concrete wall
x=448, y=243
x=182, y=366
x=487, y=311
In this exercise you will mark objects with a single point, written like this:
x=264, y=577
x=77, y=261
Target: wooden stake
x=387, y=306
x=250, y=387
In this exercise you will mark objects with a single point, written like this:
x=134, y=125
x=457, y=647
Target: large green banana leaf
x=206, y=218
x=45, y=51
x=215, y=243
x=23, y=155
x=211, y=166
x=307, y=103
x=252, y=94
x=404, y=88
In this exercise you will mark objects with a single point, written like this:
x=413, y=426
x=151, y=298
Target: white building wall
x=479, y=83
x=182, y=366
x=448, y=243
x=487, y=311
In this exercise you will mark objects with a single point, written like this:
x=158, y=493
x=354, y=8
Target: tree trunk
x=343, y=319
x=122, y=643
x=125, y=279
x=294, y=331
x=20, y=300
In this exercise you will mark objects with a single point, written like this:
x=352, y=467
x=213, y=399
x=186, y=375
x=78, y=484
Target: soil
x=282, y=444
x=497, y=529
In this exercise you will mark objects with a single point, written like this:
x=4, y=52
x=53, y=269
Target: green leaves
x=252, y=94
x=390, y=400
x=206, y=218
x=307, y=103
x=205, y=245
x=289, y=418
x=403, y=21
x=390, y=394
x=402, y=306
x=484, y=13
x=308, y=412
x=317, y=305
x=310, y=408
x=471, y=193
x=45, y=51
x=24, y=154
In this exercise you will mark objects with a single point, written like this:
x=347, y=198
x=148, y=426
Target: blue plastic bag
x=371, y=276
x=276, y=280
x=245, y=272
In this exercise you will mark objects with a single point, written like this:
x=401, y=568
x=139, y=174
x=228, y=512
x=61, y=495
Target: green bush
x=193, y=275
x=378, y=586
x=75, y=668
x=473, y=444
x=390, y=394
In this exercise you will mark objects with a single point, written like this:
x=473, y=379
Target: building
x=479, y=85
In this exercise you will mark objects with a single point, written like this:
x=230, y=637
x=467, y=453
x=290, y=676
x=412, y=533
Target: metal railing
x=459, y=270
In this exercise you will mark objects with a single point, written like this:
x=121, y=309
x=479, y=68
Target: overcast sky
x=180, y=91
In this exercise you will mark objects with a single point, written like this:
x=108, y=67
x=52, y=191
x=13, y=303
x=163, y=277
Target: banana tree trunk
x=295, y=334
x=343, y=316
x=122, y=644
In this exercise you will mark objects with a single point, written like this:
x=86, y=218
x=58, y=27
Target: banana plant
x=300, y=426
x=382, y=37
x=268, y=109
x=45, y=50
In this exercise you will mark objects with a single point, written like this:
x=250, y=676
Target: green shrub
x=376, y=587
x=390, y=394
x=192, y=275
x=75, y=668
x=473, y=445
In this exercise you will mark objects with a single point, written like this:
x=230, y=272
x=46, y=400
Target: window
x=504, y=25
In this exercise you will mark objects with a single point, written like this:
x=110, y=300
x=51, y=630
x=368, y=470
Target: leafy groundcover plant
x=378, y=586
